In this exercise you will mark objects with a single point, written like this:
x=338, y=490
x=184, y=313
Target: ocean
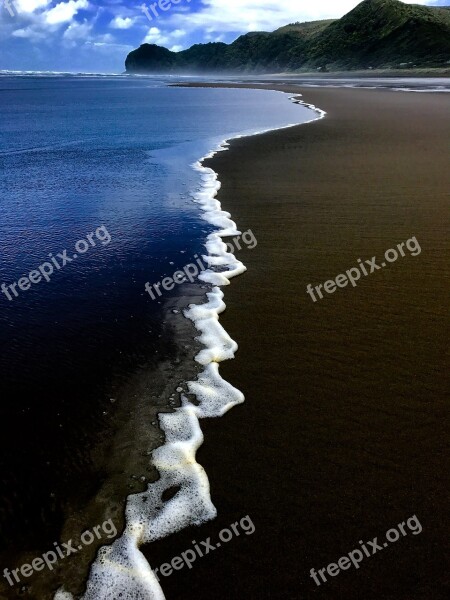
x=101, y=194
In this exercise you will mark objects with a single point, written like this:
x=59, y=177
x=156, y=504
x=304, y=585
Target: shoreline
x=123, y=461
x=220, y=468
x=102, y=500
x=208, y=167
x=176, y=467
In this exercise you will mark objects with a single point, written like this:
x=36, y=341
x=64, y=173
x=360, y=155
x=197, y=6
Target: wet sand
x=344, y=431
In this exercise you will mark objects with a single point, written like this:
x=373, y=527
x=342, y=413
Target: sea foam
x=120, y=570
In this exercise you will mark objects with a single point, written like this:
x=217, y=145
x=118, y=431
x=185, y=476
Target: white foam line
x=436, y=90
x=121, y=570
x=357, y=86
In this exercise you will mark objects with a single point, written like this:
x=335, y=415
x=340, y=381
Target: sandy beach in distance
x=344, y=431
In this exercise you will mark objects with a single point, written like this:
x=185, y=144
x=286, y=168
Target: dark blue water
x=108, y=158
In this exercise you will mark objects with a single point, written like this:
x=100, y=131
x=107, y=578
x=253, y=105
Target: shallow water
x=107, y=161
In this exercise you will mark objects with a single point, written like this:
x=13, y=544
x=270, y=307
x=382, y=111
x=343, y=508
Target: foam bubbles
x=121, y=570
x=181, y=496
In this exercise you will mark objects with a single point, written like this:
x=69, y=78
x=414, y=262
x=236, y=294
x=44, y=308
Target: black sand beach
x=344, y=432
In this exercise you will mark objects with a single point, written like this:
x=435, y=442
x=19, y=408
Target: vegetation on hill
x=376, y=34
x=380, y=33
x=305, y=30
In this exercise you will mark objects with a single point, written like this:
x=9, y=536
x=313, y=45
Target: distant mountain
x=375, y=34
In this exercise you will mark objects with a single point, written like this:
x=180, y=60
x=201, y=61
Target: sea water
x=112, y=162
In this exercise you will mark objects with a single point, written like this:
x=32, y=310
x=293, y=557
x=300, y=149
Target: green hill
x=305, y=30
x=381, y=33
x=375, y=34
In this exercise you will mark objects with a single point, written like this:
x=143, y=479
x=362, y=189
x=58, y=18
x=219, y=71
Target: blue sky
x=96, y=36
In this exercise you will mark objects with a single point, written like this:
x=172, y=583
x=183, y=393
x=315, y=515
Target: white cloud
x=28, y=33
x=120, y=23
x=20, y=33
x=170, y=39
x=65, y=11
x=106, y=38
x=30, y=6
x=120, y=50
x=178, y=33
x=77, y=31
x=155, y=36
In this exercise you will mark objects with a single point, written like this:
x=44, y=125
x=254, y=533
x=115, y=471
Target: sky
x=95, y=36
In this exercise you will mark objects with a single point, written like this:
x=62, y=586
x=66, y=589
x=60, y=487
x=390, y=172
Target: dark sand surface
x=344, y=433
